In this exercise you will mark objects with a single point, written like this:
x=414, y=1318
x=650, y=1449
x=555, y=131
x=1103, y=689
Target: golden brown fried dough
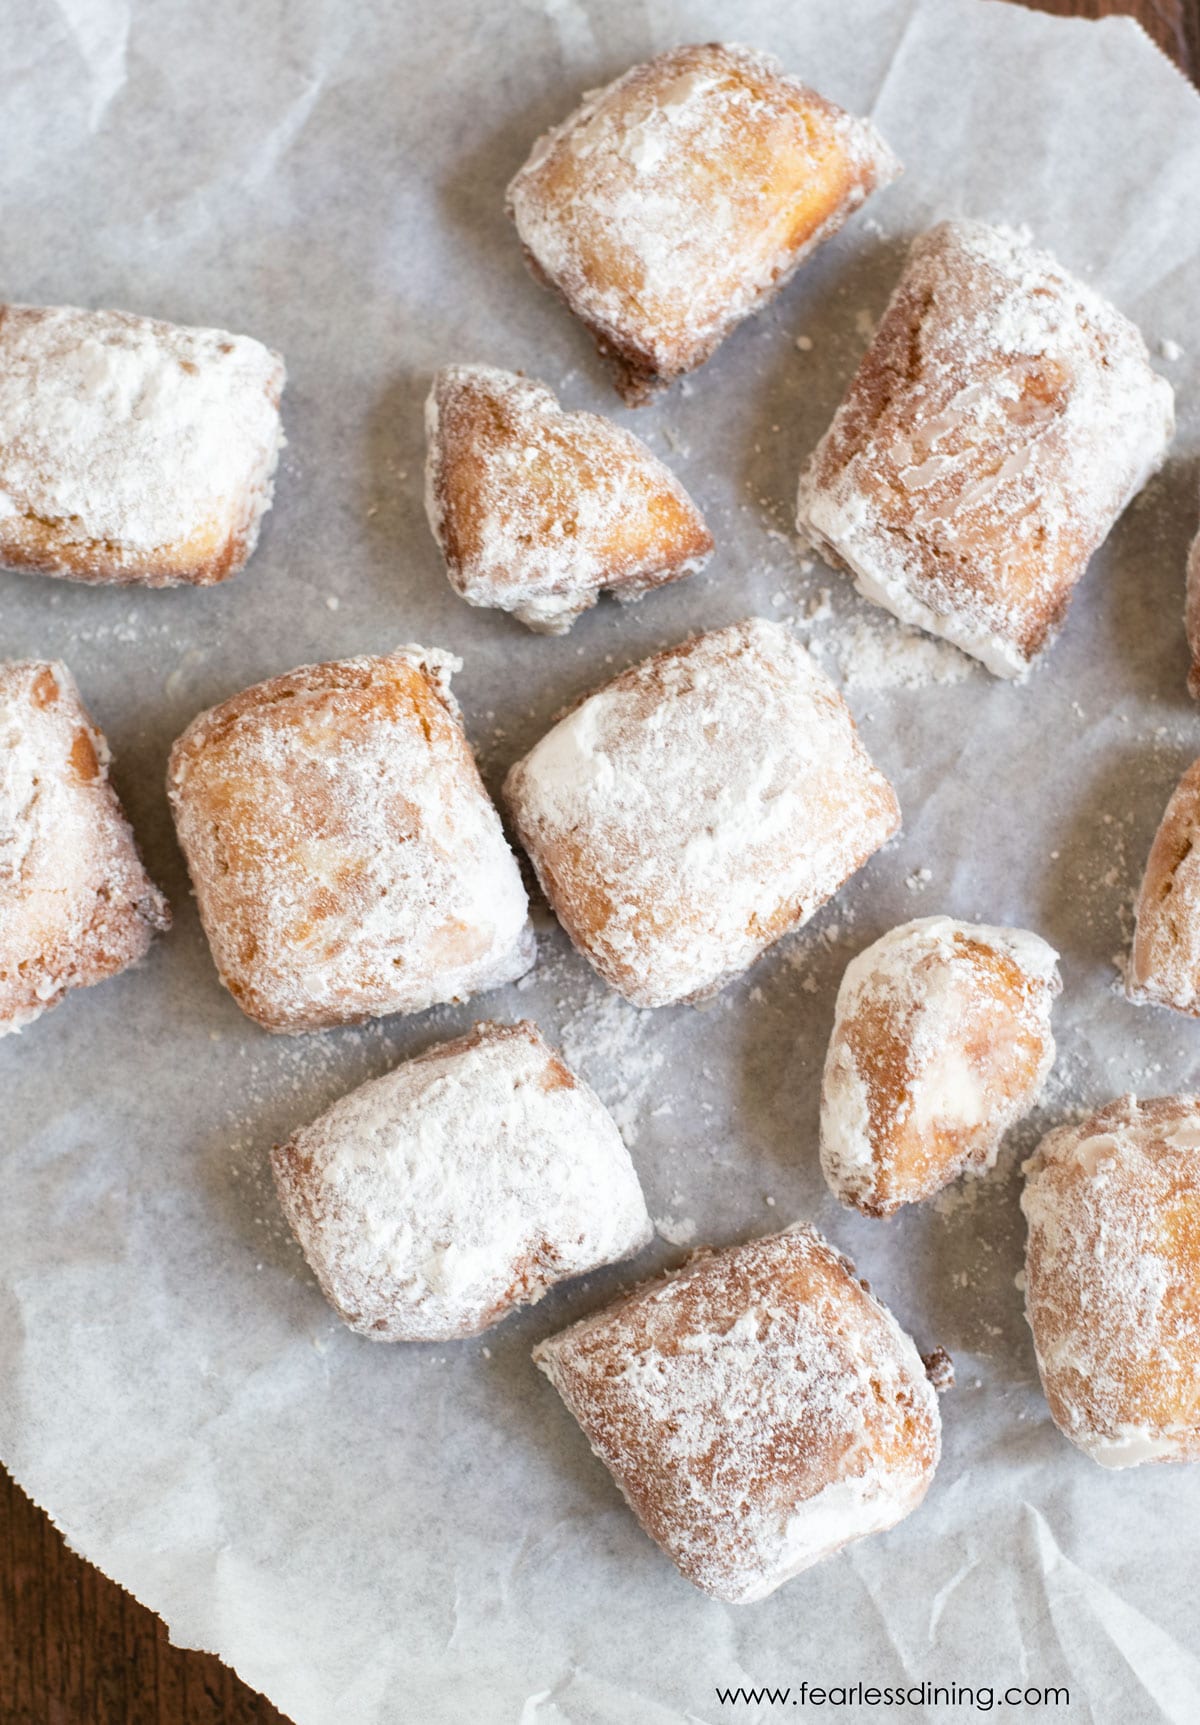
x=759, y=1410
x=538, y=511
x=132, y=450
x=677, y=200
x=1001, y=420
x=76, y=905
x=941, y=1041
x=432, y=1201
x=346, y=858
x=1112, y=1279
x=696, y=808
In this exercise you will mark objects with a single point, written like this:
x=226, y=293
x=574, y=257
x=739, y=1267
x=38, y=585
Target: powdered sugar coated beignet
x=759, y=1410
x=346, y=858
x=434, y=1200
x=699, y=806
x=1164, y=969
x=133, y=450
x=1000, y=421
x=76, y=905
x=537, y=511
x=678, y=199
x=1112, y=1279
x=941, y=1041
x=1192, y=616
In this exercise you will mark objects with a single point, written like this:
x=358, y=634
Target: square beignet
x=941, y=1041
x=698, y=807
x=537, y=511
x=678, y=199
x=759, y=1410
x=1112, y=1279
x=76, y=904
x=133, y=450
x=1000, y=421
x=346, y=858
x=1164, y=967
x=432, y=1201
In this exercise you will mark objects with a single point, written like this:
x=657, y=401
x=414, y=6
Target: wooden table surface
x=75, y=1649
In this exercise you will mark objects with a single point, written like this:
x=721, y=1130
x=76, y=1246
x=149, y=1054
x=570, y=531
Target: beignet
x=537, y=510
x=1112, y=1279
x=432, y=1201
x=675, y=201
x=696, y=808
x=346, y=858
x=132, y=450
x=1164, y=969
x=941, y=1041
x=1000, y=421
x=1192, y=616
x=759, y=1410
x=76, y=905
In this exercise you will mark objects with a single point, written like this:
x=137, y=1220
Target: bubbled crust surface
x=133, y=450
x=1164, y=969
x=941, y=1041
x=432, y=1201
x=537, y=510
x=701, y=805
x=1112, y=1279
x=726, y=1399
x=346, y=858
x=76, y=905
x=676, y=200
x=999, y=422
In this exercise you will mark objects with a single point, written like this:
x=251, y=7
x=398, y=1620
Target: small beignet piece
x=76, y=904
x=432, y=1201
x=1001, y=419
x=538, y=511
x=941, y=1041
x=1192, y=616
x=346, y=857
x=1164, y=967
x=131, y=450
x=759, y=1410
x=698, y=807
x=1112, y=1279
x=677, y=200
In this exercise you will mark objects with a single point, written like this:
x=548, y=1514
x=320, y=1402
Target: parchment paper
x=419, y=1533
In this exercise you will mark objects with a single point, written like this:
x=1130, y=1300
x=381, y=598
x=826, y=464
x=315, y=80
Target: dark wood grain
x=74, y=1648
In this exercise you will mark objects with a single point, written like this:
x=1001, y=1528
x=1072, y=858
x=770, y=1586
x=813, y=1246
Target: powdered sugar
x=346, y=858
x=1111, y=1279
x=537, y=511
x=1002, y=419
x=76, y=905
x=941, y=1041
x=759, y=1410
x=145, y=449
x=646, y=207
x=432, y=1201
x=706, y=802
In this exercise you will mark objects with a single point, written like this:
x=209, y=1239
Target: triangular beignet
x=538, y=511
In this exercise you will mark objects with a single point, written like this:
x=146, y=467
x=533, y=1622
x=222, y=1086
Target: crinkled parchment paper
x=420, y=1533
